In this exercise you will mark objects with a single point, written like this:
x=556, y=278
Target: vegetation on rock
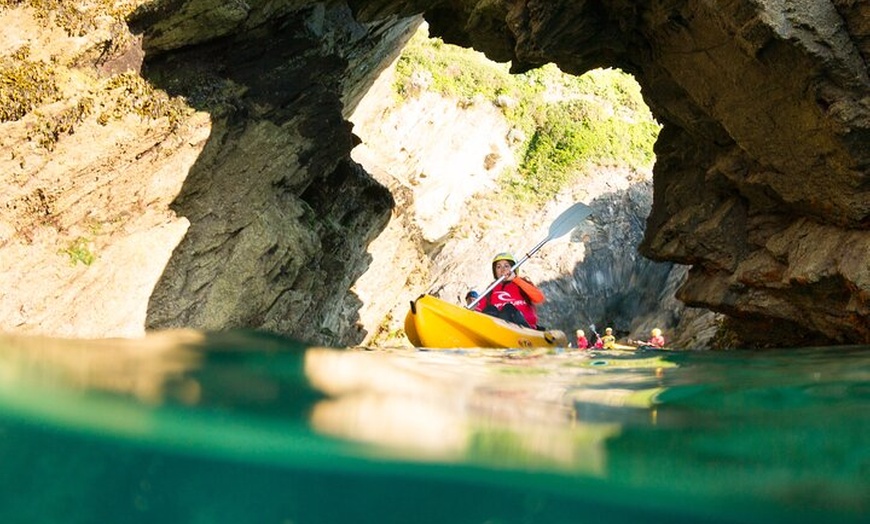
x=76, y=18
x=79, y=250
x=564, y=124
x=133, y=94
x=38, y=87
x=25, y=85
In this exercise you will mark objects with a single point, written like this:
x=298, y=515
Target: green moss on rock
x=76, y=18
x=25, y=85
x=570, y=124
x=51, y=128
x=132, y=94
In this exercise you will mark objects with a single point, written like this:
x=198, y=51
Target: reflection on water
x=454, y=407
x=186, y=426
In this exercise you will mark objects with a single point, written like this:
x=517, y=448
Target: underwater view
x=247, y=427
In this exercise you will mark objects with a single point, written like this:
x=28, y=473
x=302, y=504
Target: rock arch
x=761, y=181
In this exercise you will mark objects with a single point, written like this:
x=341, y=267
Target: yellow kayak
x=436, y=324
x=622, y=347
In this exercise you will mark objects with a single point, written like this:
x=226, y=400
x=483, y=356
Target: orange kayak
x=435, y=324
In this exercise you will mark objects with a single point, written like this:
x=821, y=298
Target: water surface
x=246, y=427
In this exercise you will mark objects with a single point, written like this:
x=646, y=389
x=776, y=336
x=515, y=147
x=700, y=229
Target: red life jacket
x=657, y=342
x=510, y=293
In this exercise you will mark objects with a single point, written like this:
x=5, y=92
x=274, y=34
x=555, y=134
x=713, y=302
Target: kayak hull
x=436, y=324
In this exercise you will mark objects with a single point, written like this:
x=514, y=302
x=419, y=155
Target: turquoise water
x=190, y=427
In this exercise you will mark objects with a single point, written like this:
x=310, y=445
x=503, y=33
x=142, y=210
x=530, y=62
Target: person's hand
x=510, y=276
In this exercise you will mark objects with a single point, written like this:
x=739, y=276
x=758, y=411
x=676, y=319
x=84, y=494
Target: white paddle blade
x=564, y=223
x=569, y=219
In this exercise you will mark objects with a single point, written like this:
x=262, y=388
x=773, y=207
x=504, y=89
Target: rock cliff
x=761, y=180
x=445, y=157
x=234, y=202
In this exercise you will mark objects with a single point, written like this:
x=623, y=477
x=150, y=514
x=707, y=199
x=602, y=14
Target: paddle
x=564, y=224
x=597, y=336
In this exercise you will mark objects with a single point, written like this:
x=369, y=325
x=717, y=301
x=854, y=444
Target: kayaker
x=470, y=296
x=656, y=339
x=514, y=298
x=582, y=343
x=608, y=341
x=598, y=344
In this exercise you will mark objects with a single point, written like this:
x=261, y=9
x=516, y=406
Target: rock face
x=244, y=209
x=761, y=180
x=446, y=181
x=233, y=204
x=277, y=207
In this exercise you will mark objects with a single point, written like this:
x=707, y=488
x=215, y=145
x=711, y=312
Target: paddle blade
x=569, y=219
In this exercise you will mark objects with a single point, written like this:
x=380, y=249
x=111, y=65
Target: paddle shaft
x=513, y=270
x=592, y=327
x=563, y=225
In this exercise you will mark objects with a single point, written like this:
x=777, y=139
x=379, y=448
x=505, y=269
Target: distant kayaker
x=656, y=339
x=582, y=343
x=608, y=341
x=514, y=298
x=470, y=296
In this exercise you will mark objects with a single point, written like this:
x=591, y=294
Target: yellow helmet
x=503, y=256
x=608, y=331
x=656, y=332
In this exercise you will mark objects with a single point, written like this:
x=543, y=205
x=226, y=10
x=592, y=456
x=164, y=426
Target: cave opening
x=479, y=159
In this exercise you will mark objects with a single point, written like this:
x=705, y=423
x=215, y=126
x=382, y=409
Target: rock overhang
x=766, y=124
x=765, y=113
x=761, y=181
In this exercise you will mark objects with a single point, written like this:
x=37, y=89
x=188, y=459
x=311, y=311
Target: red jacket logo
x=502, y=297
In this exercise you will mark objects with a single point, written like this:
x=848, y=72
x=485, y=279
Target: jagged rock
x=766, y=115
x=243, y=208
x=234, y=205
